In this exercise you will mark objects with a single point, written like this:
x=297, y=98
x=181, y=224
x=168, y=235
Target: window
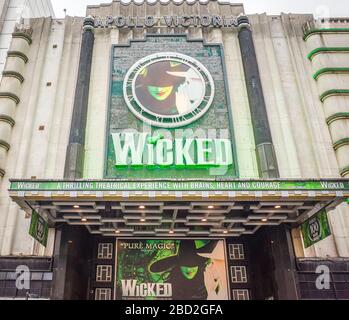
x=104, y=273
x=103, y=294
x=241, y=295
x=236, y=252
x=238, y=275
x=105, y=251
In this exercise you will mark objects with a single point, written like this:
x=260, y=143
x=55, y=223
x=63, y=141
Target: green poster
x=316, y=229
x=39, y=228
x=169, y=114
x=171, y=270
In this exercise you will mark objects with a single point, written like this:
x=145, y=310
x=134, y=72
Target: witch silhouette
x=162, y=88
x=186, y=272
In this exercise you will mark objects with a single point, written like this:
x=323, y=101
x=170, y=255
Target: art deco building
x=11, y=12
x=176, y=149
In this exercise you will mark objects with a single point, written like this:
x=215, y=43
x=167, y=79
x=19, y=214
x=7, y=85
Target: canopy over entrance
x=178, y=208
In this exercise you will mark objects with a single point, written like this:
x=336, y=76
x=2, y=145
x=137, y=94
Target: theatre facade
x=170, y=150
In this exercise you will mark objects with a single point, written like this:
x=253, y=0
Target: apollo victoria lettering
x=185, y=21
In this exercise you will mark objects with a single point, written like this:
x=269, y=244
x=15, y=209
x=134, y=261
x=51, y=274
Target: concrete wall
x=43, y=117
x=10, y=13
x=3, y=11
x=303, y=141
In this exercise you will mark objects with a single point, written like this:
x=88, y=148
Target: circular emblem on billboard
x=40, y=229
x=169, y=90
x=315, y=230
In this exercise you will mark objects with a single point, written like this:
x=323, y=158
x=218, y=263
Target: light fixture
x=264, y=220
x=142, y=207
x=225, y=231
x=76, y=207
x=171, y=232
x=143, y=220
x=211, y=207
x=117, y=231
x=204, y=220
x=277, y=207
x=84, y=220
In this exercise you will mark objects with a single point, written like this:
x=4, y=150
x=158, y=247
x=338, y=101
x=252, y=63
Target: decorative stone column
x=10, y=88
x=267, y=163
x=277, y=241
x=75, y=153
x=72, y=254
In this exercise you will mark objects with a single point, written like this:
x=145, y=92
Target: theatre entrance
x=234, y=244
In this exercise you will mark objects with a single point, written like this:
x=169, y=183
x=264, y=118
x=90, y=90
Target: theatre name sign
x=185, y=21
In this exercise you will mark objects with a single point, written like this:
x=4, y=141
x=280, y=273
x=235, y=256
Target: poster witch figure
x=186, y=271
x=169, y=88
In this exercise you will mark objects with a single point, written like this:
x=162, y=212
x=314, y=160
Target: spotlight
x=211, y=207
x=76, y=207
x=84, y=220
x=277, y=207
x=142, y=207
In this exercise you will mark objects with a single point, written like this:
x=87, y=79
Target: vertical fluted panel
x=330, y=65
x=10, y=89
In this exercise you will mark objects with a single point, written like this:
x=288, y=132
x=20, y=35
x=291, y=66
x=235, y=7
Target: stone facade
x=11, y=12
x=304, y=75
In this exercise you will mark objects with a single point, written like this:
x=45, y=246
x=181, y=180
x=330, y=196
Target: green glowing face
x=189, y=272
x=160, y=93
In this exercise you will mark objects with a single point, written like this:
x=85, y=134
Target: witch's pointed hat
x=187, y=256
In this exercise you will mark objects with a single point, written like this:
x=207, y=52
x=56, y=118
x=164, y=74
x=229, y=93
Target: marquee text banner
x=236, y=185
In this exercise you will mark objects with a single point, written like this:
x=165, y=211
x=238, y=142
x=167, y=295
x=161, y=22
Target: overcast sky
x=318, y=7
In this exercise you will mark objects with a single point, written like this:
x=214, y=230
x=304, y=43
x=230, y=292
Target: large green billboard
x=171, y=270
x=169, y=112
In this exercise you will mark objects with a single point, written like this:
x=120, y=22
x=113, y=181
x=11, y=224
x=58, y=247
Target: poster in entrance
x=171, y=270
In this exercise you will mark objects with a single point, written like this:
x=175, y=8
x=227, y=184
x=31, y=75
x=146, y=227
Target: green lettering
x=204, y=152
x=183, y=152
x=164, y=152
x=130, y=150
